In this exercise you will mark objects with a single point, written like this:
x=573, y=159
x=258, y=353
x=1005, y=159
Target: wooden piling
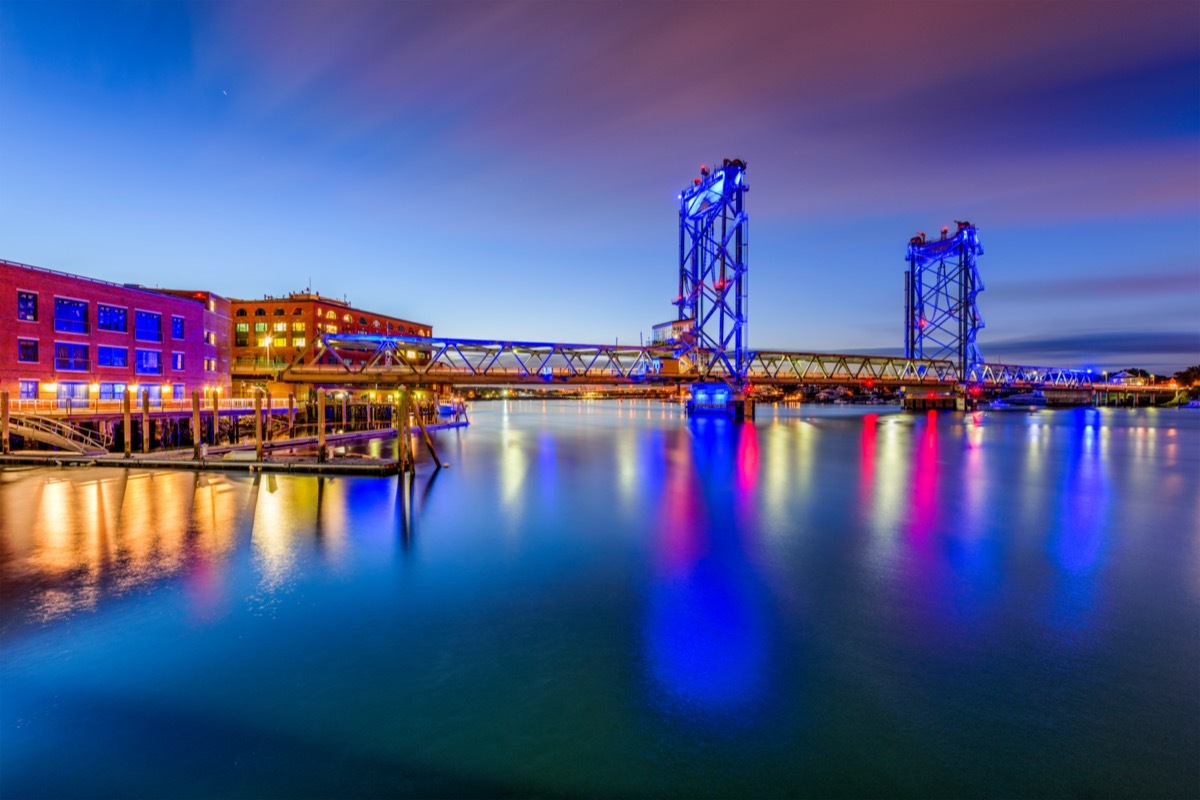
x=267, y=422
x=197, y=434
x=258, y=428
x=4, y=447
x=291, y=415
x=145, y=420
x=128, y=421
x=320, y=425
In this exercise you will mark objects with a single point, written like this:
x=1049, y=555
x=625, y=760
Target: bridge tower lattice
x=941, y=318
x=713, y=253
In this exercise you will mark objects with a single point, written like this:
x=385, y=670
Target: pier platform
x=232, y=458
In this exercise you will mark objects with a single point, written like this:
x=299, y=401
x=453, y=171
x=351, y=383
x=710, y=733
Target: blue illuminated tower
x=941, y=319
x=713, y=248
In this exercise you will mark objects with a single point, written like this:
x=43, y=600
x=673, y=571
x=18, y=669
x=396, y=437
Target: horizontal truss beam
x=367, y=358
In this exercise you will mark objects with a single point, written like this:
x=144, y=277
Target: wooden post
x=4, y=422
x=437, y=461
x=258, y=427
x=145, y=420
x=345, y=408
x=267, y=422
x=128, y=422
x=197, y=434
x=320, y=425
x=291, y=415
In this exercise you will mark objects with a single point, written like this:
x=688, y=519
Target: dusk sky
x=509, y=170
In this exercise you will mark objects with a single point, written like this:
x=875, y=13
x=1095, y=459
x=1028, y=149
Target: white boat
x=1022, y=401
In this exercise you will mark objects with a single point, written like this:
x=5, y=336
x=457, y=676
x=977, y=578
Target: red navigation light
x=923, y=322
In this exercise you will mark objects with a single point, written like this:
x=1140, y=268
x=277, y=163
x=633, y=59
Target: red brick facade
x=279, y=328
x=66, y=335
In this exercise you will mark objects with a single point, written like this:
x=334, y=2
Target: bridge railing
x=69, y=407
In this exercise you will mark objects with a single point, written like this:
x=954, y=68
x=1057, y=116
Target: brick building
x=66, y=336
x=274, y=330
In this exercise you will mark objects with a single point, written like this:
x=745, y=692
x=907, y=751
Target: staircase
x=58, y=434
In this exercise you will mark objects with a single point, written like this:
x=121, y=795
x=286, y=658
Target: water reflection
x=701, y=599
x=705, y=633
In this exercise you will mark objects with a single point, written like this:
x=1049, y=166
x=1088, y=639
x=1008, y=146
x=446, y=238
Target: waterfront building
x=273, y=331
x=68, y=337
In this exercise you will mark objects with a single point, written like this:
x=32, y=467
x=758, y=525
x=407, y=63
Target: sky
x=510, y=170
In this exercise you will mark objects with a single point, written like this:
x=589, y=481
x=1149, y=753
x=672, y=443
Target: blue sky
x=510, y=170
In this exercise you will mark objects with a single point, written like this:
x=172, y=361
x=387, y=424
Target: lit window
x=147, y=326
x=71, y=357
x=210, y=365
x=112, y=356
x=331, y=315
x=149, y=362
x=280, y=327
x=298, y=327
x=111, y=318
x=177, y=362
x=70, y=316
x=176, y=327
x=112, y=391
x=210, y=337
x=27, y=350
x=29, y=390
x=299, y=341
x=27, y=308
x=260, y=327
x=331, y=329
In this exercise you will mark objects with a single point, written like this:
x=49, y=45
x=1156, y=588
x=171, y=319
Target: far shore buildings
x=273, y=331
x=71, y=337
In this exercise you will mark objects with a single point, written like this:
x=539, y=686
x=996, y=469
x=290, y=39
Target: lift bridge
x=710, y=341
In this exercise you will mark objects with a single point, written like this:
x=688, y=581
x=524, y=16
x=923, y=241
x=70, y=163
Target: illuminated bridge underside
x=364, y=358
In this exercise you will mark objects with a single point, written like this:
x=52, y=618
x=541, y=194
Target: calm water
x=606, y=599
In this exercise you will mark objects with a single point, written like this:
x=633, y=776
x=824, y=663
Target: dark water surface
x=607, y=599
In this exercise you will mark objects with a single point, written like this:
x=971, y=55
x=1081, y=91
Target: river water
x=605, y=598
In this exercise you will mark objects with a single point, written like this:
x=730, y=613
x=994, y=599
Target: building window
x=176, y=327
x=299, y=341
x=297, y=312
x=112, y=356
x=347, y=318
x=177, y=391
x=27, y=350
x=71, y=357
x=280, y=327
x=279, y=312
x=241, y=334
x=177, y=362
x=260, y=312
x=298, y=327
x=331, y=315
x=259, y=327
x=210, y=365
x=331, y=329
x=27, y=308
x=210, y=337
x=29, y=390
x=149, y=362
x=241, y=312
x=148, y=327
x=70, y=316
x=111, y=318
x=390, y=326
x=112, y=391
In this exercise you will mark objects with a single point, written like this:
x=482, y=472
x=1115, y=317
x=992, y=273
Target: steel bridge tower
x=941, y=318
x=713, y=248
